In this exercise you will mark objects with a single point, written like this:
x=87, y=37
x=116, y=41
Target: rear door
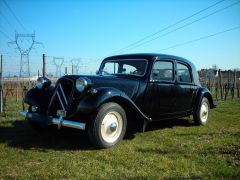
x=184, y=88
x=159, y=98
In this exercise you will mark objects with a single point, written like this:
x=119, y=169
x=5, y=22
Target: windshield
x=135, y=67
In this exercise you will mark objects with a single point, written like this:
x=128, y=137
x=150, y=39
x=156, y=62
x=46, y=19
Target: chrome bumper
x=58, y=121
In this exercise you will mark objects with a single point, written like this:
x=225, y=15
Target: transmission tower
x=58, y=62
x=25, y=43
x=75, y=65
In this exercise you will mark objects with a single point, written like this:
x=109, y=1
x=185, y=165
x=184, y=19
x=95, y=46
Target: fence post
x=227, y=86
x=65, y=70
x=209, y=83
x=234, y=84
x=229, y=77
x=220, y=83
x=23, y=95
x=238, y=94
x=44, y=66
x=1, y=85
x=17, y=89
x=216, y=89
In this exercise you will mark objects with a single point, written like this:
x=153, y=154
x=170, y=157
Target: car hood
x=127, y=85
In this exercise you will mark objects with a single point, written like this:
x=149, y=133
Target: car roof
x=148, y=56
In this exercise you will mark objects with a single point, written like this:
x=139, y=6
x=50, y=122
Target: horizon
x=92, y=30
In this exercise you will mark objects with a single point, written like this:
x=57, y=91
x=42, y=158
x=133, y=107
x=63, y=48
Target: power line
x=200, y=38
x=14, y=15
x=5, y=35
x=181, y=27
x=169, y=26
x=188, y=24
x=4, y=17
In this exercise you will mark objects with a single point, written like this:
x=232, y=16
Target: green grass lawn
x=168, y=149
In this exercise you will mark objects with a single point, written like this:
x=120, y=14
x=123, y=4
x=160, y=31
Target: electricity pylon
x=58, y=62
x=75, y=65
x=25, y=43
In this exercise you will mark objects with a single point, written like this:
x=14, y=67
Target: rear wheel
x=108, y=126
x=201, y=117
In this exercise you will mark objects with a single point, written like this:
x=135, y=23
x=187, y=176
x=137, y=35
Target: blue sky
x=92, y=30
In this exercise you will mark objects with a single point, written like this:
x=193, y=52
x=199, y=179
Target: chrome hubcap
x=204, y=112
x=111, y=126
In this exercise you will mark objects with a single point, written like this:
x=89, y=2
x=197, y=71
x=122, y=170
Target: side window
x=162, y=71
x=183, y=73
x=110, y=68
x=128, y=69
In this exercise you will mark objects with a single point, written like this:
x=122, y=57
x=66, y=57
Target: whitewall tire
x=107, y=128
x=201, y=116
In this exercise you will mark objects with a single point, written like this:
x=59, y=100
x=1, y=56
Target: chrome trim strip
x=53, y=96
x=63, y=94
x=60, y=101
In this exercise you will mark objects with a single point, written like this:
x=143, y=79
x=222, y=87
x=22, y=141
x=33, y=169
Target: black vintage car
x=143, y=87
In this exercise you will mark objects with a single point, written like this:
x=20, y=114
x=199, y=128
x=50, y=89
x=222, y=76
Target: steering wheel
x=135, y=72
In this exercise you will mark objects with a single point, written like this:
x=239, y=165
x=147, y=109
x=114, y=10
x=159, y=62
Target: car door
x=184, y=88
x=159, y=99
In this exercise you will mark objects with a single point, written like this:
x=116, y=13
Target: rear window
x=183, y=73
x=163, y=71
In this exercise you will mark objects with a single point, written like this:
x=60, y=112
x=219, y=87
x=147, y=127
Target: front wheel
x=107, y=128
x=201, y=116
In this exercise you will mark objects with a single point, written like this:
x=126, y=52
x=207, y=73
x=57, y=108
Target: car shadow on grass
x=135, y=127
x=19, y=134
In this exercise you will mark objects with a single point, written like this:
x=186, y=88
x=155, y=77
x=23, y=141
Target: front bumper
x=50, y=120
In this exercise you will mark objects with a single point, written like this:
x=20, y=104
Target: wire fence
x=223, y=84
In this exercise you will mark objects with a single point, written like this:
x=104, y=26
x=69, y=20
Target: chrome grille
x=62, y=96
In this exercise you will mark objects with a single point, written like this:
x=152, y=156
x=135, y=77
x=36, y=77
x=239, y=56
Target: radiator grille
x=62, y=96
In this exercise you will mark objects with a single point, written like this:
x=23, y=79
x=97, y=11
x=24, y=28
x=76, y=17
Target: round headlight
x=43, y=82
x=82, y=83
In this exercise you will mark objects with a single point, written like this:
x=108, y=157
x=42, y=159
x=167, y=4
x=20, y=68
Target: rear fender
x=201, y=93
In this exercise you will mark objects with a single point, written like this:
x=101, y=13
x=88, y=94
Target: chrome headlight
x=43, y=82
x=82, y=83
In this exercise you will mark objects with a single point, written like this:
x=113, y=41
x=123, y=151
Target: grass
x=168, y=149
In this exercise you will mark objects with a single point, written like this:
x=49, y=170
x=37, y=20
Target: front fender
x=203, y=92
x=93, y=101
x=39, y=98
